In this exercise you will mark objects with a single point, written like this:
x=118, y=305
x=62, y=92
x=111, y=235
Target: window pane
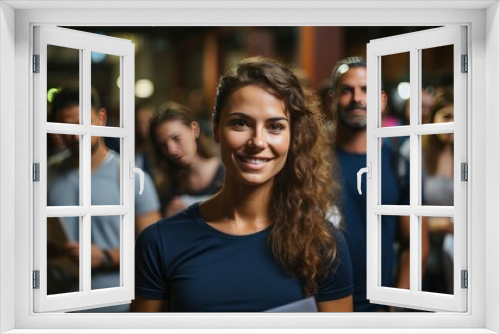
x=105, y=182
x=105, y=234
x=63, y=70
x=438, y=276
x=105, y=76
x=394, y=253
x=63, y=170
x=396, y=85
x=437, y=79
x=438, y=169
x=62, y=256
x=395, y=171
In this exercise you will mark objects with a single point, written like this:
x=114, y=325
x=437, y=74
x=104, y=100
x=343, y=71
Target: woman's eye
x=276, y=127
x=239, y=123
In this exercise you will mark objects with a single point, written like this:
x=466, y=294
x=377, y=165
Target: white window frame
x=483, y=20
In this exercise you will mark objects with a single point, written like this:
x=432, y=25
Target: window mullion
x=415, y=167
x=85, y=164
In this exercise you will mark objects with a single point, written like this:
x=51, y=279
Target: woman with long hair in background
x=187, y=169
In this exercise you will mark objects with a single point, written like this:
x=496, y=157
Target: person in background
x=349, y=101
x=437, y=153
x=64, y=190
x=187, y=170
x=263, y=240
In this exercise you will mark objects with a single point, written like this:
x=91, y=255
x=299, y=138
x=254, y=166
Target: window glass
x=105, y=181
x=63, y=262
x=395, y=171
x=106, y=234
x=396, y=86
x=105, y=79
x=438, y=275
x=63, y=170
x=63, y=69
x=393, y=254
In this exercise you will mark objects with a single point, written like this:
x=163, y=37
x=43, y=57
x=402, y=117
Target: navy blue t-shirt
x=197, y=268
x=353, y=209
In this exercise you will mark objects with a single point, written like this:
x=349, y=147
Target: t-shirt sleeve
x=148, y=201
x=338, y=283
x=150, y=278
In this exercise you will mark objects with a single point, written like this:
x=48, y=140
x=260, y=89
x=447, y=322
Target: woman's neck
x=238, y=209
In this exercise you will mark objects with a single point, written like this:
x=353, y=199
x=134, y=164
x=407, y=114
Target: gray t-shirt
x=105, y=230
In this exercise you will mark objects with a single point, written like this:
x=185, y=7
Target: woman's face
x=445, y=115
x=254, y=136
x=177, y=141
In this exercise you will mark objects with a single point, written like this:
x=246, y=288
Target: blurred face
x=445, y=115
x=254, y=136
x=351, y=98
x=177, y=141
x=71, y=115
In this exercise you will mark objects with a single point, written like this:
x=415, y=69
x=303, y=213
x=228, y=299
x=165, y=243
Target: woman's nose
x=258, y=139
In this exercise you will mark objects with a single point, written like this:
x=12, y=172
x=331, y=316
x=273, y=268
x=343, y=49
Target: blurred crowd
x=175, y=148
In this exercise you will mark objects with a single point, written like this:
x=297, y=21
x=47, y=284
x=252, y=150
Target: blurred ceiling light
x=51, y=93
x=144, y=88
x=404, y=90
x=97, y=57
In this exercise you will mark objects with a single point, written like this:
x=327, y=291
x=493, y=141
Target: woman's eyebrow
x=243, y=115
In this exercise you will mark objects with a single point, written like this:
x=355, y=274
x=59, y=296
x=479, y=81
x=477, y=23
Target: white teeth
x=254, y=161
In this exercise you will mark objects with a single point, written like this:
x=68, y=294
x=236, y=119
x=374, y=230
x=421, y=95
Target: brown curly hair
x=304, y=191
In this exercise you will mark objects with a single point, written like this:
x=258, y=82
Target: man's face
x=351, y=99
x=71, y=115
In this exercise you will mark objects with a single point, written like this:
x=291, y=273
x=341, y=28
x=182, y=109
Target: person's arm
x=339, y=305
x=144, y=220
x=97, y=257
x=140, y=304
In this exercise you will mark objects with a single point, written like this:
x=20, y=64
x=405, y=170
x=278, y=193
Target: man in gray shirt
x=63, y=190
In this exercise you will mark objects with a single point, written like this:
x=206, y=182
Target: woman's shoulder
x=177, y=225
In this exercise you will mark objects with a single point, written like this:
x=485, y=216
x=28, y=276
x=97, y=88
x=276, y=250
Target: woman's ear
x=196, y=129
x=103, y=117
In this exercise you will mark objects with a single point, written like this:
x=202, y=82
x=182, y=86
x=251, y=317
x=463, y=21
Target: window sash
x=413, y=43
x=86, y=44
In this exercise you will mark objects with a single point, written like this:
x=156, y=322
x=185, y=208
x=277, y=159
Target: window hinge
x=465, y=64
x=36, y=172
x=465, y=279
x=36, y=279
x=36, y=63
x=464, y=171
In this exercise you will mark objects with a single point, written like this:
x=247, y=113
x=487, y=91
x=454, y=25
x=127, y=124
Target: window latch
x=132, y=171
x=368, y=171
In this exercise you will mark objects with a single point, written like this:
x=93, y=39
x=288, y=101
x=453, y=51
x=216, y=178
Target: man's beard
x=352, y=123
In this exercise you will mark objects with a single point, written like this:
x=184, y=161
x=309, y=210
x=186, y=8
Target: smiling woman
x=263, y=240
